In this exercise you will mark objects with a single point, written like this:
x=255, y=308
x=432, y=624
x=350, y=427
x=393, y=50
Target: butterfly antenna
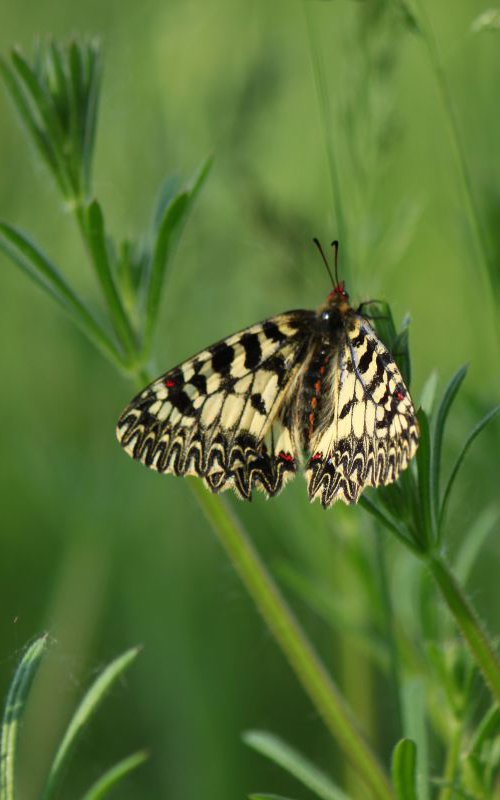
x=335, y=246
x=325, y=262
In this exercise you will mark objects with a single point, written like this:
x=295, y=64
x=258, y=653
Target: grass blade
x=294, y=763
x=267, y=797
x=93, y=94
x=388, y=522
x=41, y=140
x=100, y=258
x=106, y=782
x=404, y=764
x=86, y=709
x=415, y=729
x=169, y=230
x=439, y=427
x=45, y=274
x=14, y=708
x=465, y=447
x=40, y=98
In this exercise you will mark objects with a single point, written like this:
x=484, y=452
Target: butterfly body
x=304, y=387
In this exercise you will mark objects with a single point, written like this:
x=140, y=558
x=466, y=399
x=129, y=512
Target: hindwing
x=223, y=414
x=368, y=431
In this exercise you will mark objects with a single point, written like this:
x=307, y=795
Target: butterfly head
x=339, y=297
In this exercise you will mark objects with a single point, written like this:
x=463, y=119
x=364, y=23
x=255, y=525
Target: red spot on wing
x=317, y=457
x=169, y=383
x=400, y=395
x=286, y=456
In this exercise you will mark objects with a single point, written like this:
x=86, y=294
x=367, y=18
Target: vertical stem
x=451, y=765
x=468, y=623
x=286, y=630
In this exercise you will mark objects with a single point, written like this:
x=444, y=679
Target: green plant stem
x=452, y=762
x=468, y=622
x=294, y=644
x=93, y=233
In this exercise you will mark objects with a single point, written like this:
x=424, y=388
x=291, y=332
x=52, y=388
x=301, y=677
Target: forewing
x=368, y=433
x=222, y=415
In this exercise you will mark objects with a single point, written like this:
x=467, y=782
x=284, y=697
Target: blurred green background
x=104, y=554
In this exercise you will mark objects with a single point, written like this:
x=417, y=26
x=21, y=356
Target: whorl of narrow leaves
x=15, y=707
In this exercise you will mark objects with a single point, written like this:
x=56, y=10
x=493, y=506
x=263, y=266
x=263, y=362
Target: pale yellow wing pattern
x=368, y=431
x=222, y=415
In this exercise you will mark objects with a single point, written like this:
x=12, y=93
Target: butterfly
x=316, y=389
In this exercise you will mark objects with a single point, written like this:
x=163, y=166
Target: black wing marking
x=369, y=431
x=222, y=415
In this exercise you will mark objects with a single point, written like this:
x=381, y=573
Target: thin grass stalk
x=452, y=763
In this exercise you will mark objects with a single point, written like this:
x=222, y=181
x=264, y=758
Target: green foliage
x=295, y=763
x=14, y=706
x=404, y=766
x=14, y=712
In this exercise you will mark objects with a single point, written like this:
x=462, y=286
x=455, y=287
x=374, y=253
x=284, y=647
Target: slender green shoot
x=15, y=704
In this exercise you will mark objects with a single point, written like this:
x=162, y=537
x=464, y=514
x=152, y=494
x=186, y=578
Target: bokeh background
x=104, y=554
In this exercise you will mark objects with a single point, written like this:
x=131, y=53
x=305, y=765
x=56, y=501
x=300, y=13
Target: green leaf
x=388, y=521
x=396, y=343
x=267, y=797
x=408, y=17
x=106, y=782
x=295, y=763
x=93, y=89
x=415, y=729
x=465, y=447
x=404, y=769
x=488, y=729
x=40, y=96
x=170, y=188
x=86, y=709
x=15, y=703
x=428, y=393
x=45, y=274
x=401, y=353
x=439, y=428
x=100, y=258
x=34, y=127
x=168, y=233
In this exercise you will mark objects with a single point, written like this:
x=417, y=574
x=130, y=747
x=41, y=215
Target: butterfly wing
x=223, y=414
x=368, y=432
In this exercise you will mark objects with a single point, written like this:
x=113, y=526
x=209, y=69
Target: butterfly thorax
x=328, y=332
